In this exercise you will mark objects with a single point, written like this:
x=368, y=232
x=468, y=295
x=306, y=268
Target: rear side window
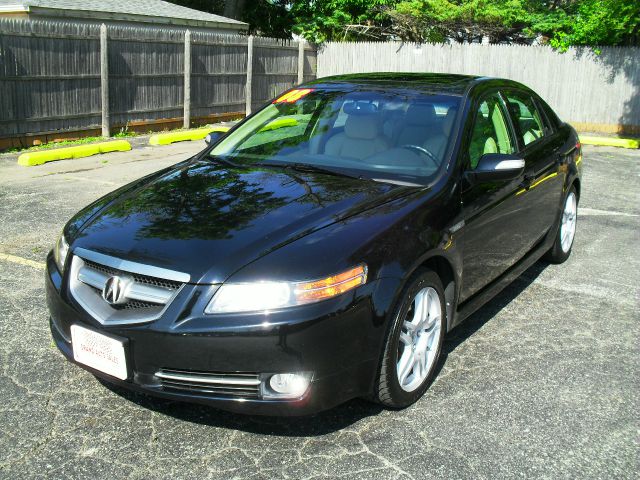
x=527, y=118
x=552, y=119
x=490, y=133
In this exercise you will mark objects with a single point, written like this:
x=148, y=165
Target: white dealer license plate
x=99, y=351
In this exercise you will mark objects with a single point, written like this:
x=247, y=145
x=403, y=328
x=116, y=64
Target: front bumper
x=338, y=340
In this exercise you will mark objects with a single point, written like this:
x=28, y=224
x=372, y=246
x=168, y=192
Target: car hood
x=209, y=220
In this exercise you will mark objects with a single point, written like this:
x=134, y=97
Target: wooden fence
x=68, y=77
x=594, y=92
x=58, y=77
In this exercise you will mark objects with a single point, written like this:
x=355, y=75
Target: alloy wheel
x=568, y=227
x=419, y=339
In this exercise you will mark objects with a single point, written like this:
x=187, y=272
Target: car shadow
x=341, y=416
x=478, y=319
x=322, y=423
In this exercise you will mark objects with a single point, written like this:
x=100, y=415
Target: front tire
x=561, y=248
x=414, y=341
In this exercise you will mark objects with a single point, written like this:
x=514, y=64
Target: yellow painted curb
x=610, y=141
x=38, y=158
x=184, y=135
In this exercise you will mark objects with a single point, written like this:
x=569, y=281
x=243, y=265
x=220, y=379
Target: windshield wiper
x=225, y=161
x=307, y=167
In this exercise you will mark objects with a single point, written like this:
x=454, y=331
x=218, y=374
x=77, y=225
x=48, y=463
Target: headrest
x=420, y=114
x=514, y=108
x=365, y=127
x=359, y=108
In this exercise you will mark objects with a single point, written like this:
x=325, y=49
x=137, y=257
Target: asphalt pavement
x=543, y=382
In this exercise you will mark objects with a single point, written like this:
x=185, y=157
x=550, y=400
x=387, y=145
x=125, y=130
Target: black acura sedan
x=322, y=248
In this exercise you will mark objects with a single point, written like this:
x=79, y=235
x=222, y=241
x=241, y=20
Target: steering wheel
x=424, y=151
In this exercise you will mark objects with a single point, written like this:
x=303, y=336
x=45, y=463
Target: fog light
x=287, y=385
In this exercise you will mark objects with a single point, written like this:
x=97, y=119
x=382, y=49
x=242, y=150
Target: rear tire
x=413, y=343
x=565, y=235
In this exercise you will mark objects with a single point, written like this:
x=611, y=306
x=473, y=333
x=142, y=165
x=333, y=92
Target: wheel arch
x=576, y=183
x=444, y=269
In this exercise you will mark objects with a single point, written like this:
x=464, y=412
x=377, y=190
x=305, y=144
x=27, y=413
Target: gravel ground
x=541, y=383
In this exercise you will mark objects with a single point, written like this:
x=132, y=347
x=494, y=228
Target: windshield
x=395, y=136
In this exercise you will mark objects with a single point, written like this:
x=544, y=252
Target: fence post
x=300, y=61
x=249, y=86
x=104, y=80
x=187, y=79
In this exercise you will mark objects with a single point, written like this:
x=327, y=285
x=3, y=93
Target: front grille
x=236, y=385
x=142, y=298
x=131, y=304
x=158, y=282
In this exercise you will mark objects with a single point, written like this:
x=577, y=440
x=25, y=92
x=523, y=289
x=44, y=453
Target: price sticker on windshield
x=293, y=96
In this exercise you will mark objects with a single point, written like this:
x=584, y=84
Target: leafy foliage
x=562, y=23
x=595, y=22
x=320, y=21
x=462, y=21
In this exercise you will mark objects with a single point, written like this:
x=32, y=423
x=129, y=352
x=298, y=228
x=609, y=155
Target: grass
x=63, y=143
x=123, y=133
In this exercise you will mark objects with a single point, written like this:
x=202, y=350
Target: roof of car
x=445, y=83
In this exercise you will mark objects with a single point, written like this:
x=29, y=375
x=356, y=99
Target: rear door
x=539, y=146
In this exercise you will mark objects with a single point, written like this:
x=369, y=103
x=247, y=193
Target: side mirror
x=213, y=137
x=496, y=167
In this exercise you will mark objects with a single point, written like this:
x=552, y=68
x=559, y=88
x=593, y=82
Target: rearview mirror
x=213, y=137
x=496, y=167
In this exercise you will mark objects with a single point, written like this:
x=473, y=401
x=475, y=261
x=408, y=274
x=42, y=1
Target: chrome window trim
x=132, y=267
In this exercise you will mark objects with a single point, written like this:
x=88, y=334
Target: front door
x=492, y=211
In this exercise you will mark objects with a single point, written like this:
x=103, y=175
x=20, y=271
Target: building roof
x=151, y=11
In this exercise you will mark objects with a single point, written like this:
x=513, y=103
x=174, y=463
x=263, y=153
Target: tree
x=561, y=22
x=269, y=18
x=320, y=21
x=594, y=22
x=461, y=21
x=233, y=9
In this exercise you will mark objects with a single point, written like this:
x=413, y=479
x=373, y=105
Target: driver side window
x=490, y=133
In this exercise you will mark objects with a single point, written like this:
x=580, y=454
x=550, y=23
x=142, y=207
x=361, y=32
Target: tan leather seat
x=362, y=138
x=420, y=122
x=437, y=143
x=530, y=137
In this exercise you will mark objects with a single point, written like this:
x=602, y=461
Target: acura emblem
x=115, y=290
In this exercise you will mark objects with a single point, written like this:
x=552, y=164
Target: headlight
x=60, y=252
x=261, y=296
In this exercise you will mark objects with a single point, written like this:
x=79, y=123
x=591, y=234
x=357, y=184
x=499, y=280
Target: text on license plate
x=99, y=351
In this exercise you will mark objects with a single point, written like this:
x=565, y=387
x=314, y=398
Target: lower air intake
x=237, y=385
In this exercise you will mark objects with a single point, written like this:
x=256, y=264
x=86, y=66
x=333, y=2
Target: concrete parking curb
x=184, y=135
x=609, y=141
x=31, y=159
